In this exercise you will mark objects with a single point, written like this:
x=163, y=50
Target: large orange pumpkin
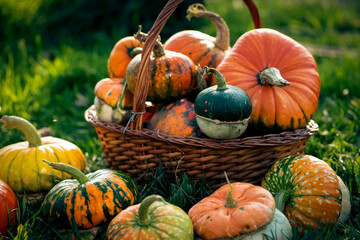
x=202, y=48
x=121, y=54
x=280, y=76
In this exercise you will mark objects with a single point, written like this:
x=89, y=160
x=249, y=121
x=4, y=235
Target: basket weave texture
x=138, y=152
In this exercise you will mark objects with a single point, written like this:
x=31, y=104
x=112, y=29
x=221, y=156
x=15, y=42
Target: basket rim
x=267, y=140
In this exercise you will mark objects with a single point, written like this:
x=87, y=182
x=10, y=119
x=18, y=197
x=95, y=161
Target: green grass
x=51, y=84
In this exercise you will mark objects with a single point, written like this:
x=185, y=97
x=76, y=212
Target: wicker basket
x=138, y=152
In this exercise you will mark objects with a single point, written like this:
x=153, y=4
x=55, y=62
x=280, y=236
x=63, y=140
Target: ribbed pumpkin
x=202, y=48
x=113, y=101
x=171, y=75
x=154, y=218
x=280, y=76
x=88, y=200
x=21, y=165
x=177, y=119
x=308, y=192
x=121, y=54
x=8, y=208
x=222, y=111
x=239, y=211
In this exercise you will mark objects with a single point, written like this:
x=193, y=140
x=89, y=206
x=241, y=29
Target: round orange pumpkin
x=202, y=48
x=233, y=211
x=121, y=54
x=280, y=76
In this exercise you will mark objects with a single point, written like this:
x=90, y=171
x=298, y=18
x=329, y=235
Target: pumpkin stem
x=230, y=202
x=281, y=199
x=220, y=79
x=30, y=132
x=272, y=77
x=158, y=48
x=144, y=208
x=73, y=171
x=222, y=35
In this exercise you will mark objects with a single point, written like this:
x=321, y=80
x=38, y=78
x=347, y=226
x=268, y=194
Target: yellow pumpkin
x=21, y=165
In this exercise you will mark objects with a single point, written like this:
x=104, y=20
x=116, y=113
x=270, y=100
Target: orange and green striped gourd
x=89, y=200
x=172, y=75
x=308, y=191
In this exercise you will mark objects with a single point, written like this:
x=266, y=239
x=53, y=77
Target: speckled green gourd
x=154, y=218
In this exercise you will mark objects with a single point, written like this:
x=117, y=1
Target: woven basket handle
x=142, y=85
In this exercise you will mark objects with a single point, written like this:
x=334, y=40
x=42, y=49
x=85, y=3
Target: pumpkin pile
x=276, y=75
x=265, y=83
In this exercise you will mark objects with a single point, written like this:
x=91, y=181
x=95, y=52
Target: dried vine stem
x=142, y=86
x=254, y=13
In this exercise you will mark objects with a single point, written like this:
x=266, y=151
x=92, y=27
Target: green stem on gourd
x=220, y=79
x=272, y=77
x=144, y=208
x=30, y=132
x=73, y=171
x=230, y=202
x=281, y=199
x=222, y=40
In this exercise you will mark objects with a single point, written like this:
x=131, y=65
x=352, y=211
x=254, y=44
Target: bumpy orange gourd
x=177, y=119
x=202, y=48
x=21, y=165
x=308, y=191
x=121, y=54
x=280, y=76
x=172, y=75
x=233, y=210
